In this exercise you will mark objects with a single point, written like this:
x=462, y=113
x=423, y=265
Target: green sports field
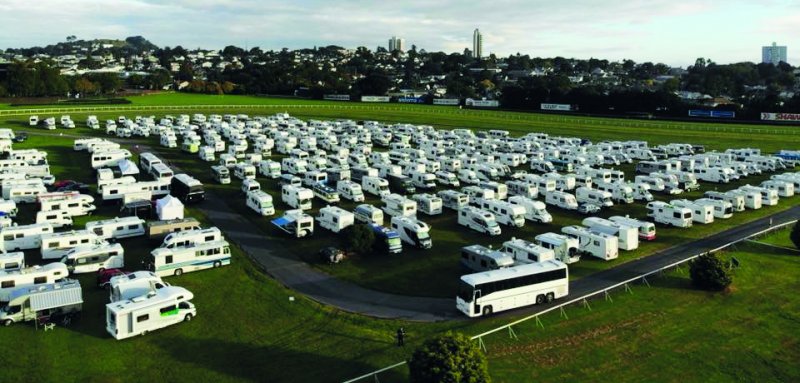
x=248, y=330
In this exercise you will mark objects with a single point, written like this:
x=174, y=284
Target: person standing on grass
x=401, y=337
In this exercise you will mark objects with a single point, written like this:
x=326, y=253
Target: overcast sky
x=675, y=32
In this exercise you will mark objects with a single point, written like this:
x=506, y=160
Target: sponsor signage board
x=374, y=98
x=794, y=117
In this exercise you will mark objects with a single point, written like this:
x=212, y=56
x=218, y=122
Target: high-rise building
x=396, y=44
x=773, y=54
x=477, y=44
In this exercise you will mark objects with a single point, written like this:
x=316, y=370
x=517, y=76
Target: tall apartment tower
x=396, y=44
x=477, y=44
x=773, y=54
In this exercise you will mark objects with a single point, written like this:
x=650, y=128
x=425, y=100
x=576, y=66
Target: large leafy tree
x=709, y=272
x=449, y=358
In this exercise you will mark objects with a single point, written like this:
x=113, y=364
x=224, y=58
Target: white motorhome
x=628, y=236
x=429, y=204
x=271, y=169
x=335, y=218
x=221, y=174
x=423, y=180
x=54, y=302
x=500, y=189
x=109, y=157
x=297, y=197
x=783, y=188
x=165, y=261
x=412, y=231
x=453, y=199
x=505, y=212
x=95, y=258
x=468, y=177
x=295, y=223
x=479, y=220
x=535, y=211
x=722, y=209
x=749, y=199
x=398, y=205
x=366, y=213
x=260, y=202
x=647, y=230
x=56, y=245
x=117, y=192
x=57, y=218
x=768, y=197
x=667, y=214
x=596, y=244
x=478, y=195
x=244, y=171
x=593, y=196
x=701, y=213
x=620, y=191
x=117, y=228
x=446, y=178
x=30, y=276
x=135, y=284
x=527, y=252
x=565, y=248
x=479, y=258
x=147, y=160
x=713, y=174
x=561, y=199
x=522, y=188
x=24, y=237
x=190, y=238
x=73, y=203
x=12, y=261
x=350, y=190
x=23, y=193
x=158, y=309
x=375, y=186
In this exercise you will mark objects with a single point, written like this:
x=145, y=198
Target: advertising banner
x=411, y=100
x=711, y=113
x=374, y=98
x=445, y=101
x=336, y=97
x=792, y=117
x=558, y=107
x=482, y=103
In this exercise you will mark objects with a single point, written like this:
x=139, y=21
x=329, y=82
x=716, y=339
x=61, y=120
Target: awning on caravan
x=56, y=297
x=128, y=168
x=281, y=222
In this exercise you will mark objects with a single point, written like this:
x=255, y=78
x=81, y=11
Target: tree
x=186, y=73
x=449, y=358
x=795, y=235
x=709, y=272
x=84, y=86
x=359, y=239
x=373, y=85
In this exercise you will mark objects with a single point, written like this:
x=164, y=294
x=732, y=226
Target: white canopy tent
x=169, y=207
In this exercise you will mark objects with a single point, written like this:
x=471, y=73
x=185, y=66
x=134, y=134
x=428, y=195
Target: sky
x=674, y=32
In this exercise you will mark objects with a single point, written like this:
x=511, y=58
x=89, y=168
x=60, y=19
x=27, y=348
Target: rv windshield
x=423, y=235
x=465, y=291
x=393, y=242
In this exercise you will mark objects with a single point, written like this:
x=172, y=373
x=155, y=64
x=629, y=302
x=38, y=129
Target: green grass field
x=248, y=330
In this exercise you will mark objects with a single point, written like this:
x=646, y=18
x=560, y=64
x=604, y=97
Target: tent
x=128, y=168
x=169, y=207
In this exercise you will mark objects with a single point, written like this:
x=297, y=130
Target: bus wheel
x=188, y=317
x=217, y=264
x=178, y=272
x=539, y=299
x=487, y=310
x=7, y=322
x=550, y=297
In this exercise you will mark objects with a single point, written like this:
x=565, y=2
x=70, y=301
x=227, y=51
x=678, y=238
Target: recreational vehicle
x=95, y=258
x=164, y=261
x=295, y=223
x=429, y=204
x=109, y=157
x=30, y=276
x=535, y=211
x=12, y=261
x=768, y=197
x=596, y=244
x=647, y=230
x=522, y=188
x=505, y=212
x=24, y=237
x=628, y=236
x=565, y=248
x=366, y=213
x=243, y=171
x=446, y=178
x=73, y=203
x=783, y=188
x=412, y=231
x=335, y=218
x=271, y=169
x=500, y=189
x=387, y=239
x=722, y=209
x=51, y=301
x=597, y=197
x=478, y=195
x=56, y=245
x=527, y=252
x=701, y=213
x=221, y=174
x=479, y=220
x=57, y=218
x=135, y=284
x=25, y=192
x=190, y=238
x=397, y=205
x=453, y=199
x=158, y=230
x=350, y=190
x=117, y=228
x=260, y=202
x=468, y=177
x=375, y=186
x=158, y=309
x=561, y=199
x=667, y=214
x=161, y=171
x=297, y=197
x=477, y=258
x=750, y=199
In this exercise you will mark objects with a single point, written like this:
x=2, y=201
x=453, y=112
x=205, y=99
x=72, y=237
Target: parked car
x=104, y=277
x=331, y=255
x=588, y=208
x=20, y=137
x=75, y=186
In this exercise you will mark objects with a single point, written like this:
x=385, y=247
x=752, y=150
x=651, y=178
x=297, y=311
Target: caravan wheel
x=7, y=322
x=217, y=264
x=539, y=299
x=178, y=272
x=188, y=318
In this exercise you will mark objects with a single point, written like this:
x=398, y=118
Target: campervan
x=656, y=184
x=478, y=195
x=73, y=203
x=94, y=258
x=565, y=248
x=397, y=205
x=57, y=218
x=147, y=160
x=768, y=197
x=412, y=231
x=751, y=199
x=24, y=237
x=596, y=197
x=423, y=180
x=619, y=191
x=132, y=285
x=12, y=261
x=271, y=169
x=468, y=177
x=479, y=220
x=158, y=309
x=429, y=204
x=249, y=185
x=56, y=245
x=505, y=212
x=527, y=252
x=667, y=214
x=722, y=209
x=535, y=211
x=260, y=202
x=191, y=238
x=375, y=186
x=165, y=261
x=446, y=178
x=27, y=192
x=596, y=244
x=561, y=199
x=156, y=231
x=297, y=197
x=335, y=218
x=647, y=230
x=783, y=188
x=295, y=223
x=477, y=258
x=366, y=213
x=221, y=174
x=522, y=188
x=701, y=213
x=117, y=228
x=243, y=170
x=227, y=161
x=453, y=199
x=207, y=153
x=30, y=276
x=51, y=301
x=109, y=157
x=628, y=236
x=350, y=190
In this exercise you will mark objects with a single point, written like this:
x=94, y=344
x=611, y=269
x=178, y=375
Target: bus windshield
x=465, y=291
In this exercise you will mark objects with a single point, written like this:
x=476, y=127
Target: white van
x=667, y=214
x=57, y=218
x=159, y=309
x=95, y=258
x=56, y=245
x=24, y=237
x=260, y=202
x=117, y=228
x=335, y=218
x=479, y=220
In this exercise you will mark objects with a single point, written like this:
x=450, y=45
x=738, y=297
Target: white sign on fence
x=374, y=98
x=445, y=101
x=558, y=107
x=337, y=97
x=482, y=103
x=794, y=117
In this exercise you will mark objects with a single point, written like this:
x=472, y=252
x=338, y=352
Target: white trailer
x=722, y=209
x=412, y=231
x=596, y=244
x=12, y=261
x=295, y=223
x=479, y=220
x=51, y=301
x=565, y=248
x=468, y=177
x=667, y=214
x=783, y=188
x=429, y=204
x=335, y=218
x=701, y=213
x=366, y=213
x=57, y=218
x=768, y=197
x=260, y=202
x=453, y=199
x=138, y=316
x=95, y=258
x=129, y=286
x=422, y=180
x=56, y=245
x=165, y=261
x=597, y=197
x=527, y=252
x=375, y=186
x=628, y=236
x=350, y=190
x=505, y=212
x=297, y=197
x=500, y=189
x=24, y=237
x=561, y=199
x=398, y=205
x=30, y=276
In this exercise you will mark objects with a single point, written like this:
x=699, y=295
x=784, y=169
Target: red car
x=104, y=277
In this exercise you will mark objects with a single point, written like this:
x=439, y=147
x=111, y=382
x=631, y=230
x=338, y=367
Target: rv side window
x=483, y=263
x=597, y=243
x=168, y=309
x=677, y=215
x=39, y=280
x=9, y=237
x=142, y=318
x=7, y=284
x=52, y=245
x=168, y=259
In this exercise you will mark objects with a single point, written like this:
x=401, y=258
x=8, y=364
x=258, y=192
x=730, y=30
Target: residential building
x=477, y=44
x=773, y=54
x=397, y=44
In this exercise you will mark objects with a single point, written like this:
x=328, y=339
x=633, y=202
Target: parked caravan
x=30, y=277
x=535, y=211
x=297, y=197
x=366, y=213
x=190, y=238
x=429, y=204
x=221, y=174
x=207, y=153
x=56, y=245
x=243, y=170
x=525, y=252
x=596, y=244
x=375, y=186
x=628, y=236
x=667, y=214
x=505, y=212
x=619, y=191
x=326, y=193
x=57, y=218
x=564, y=247
x=468, y=177
x=701, y=213
x=412, y=231
x=24, y=237
x=522, y=188
x=335, y=218
x=647, y=230
x=116, y=193
x=768, y=197
x=25, y=192
x=47, y=302
x=397, y=205
x=135, y=284
x=157, y=230
x=722, y=209
x=500, y=189
x=12, y=261
x=138, y=316
x=479, y=220
x=561, y=199
x=73, y=203
x=350, y=190
x=478, y=258
x=783, y=188
x=752, y=199
x=713, y=174
x=387, y=239
x=109, y=157
x=95, y=258
x=596, y=197
x=453, y=199
x=260, y=202
x=295, y=223
x=8, y=208
x=446, y=178
x=165, y=261
x=271, y=169
x=423, y=180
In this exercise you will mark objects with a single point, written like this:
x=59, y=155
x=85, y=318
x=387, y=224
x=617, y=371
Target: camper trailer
x=647, y=230
x=132, y=285
x=109, y=157
x=597, y=197
x=565, y=248
x=596, y=244
x=628, y=236
x=768, y=197
x=722, y=209
x=667, y=214
x=297, y=197
x=366, y=213
x=350, y=190
x=260, y=202
x=701, y=213
x=749, y=199
x=295, y=223
x=335, y=218
x=29, y=277
x=24, y=237
x=56, y=245
x=95, y=258
x=525, y=252
x=429, y=204
x=783, y=188
x=138, y=316
x=50, y=301
x=166, y=261
x=477, y=258
x=221, y=174
x=375, y=186
x=57, y=218
x=397, y=205
x=479, y=220
x=412, y=231
x=117, y=228
x=27, y=192
x=535, y=211
x=452, y=199
x=523, y=189
x=505, y=212
x=12, y=261
x=561, y=199
x=190, y=238
x=500, y=189
x=422, y=180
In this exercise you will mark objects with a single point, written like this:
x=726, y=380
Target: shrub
x=709, y=272
x=359, y=239
x=449, y=358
